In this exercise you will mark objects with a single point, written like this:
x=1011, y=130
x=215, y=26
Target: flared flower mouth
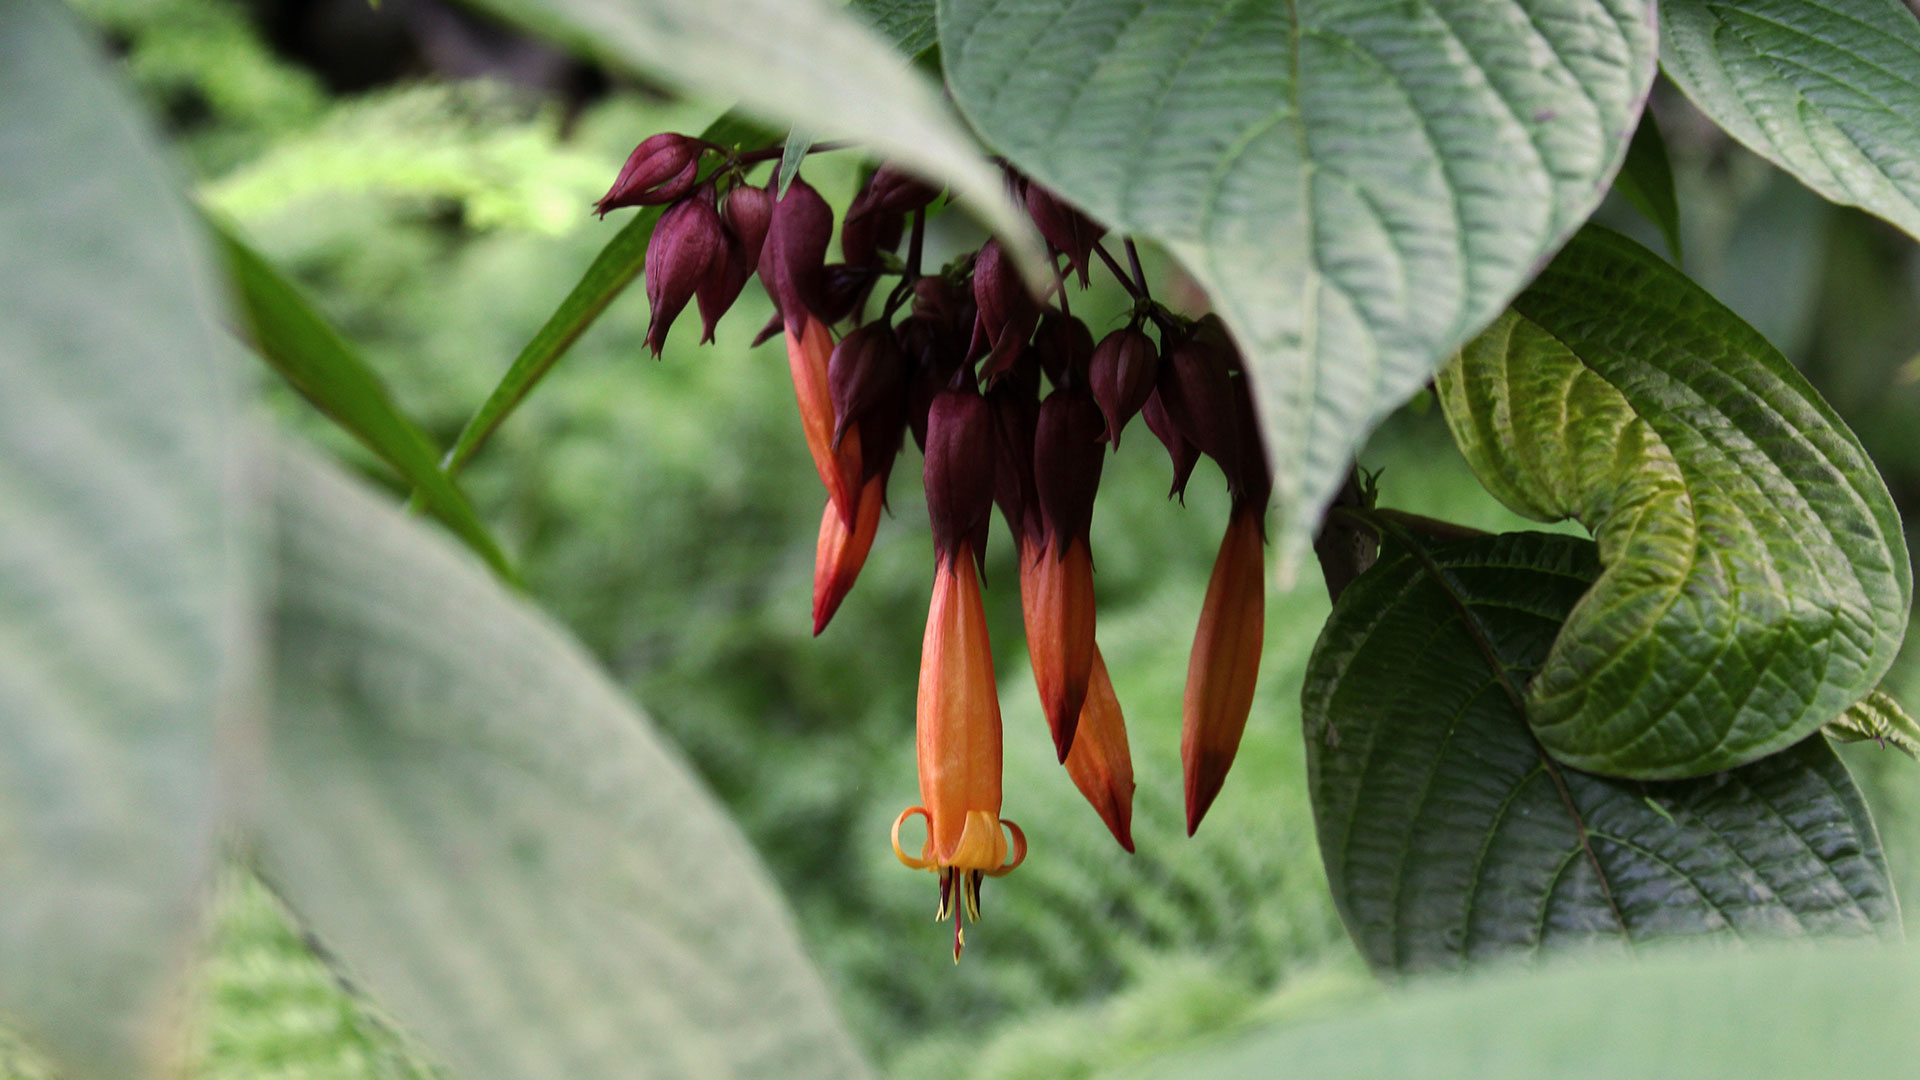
x=989, y=847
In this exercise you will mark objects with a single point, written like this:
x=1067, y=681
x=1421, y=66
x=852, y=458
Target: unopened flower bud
x=959, y=473
x=932, y=357
x=1067, y=457
x=660, y=170
x=845, y=289
x=863, y=238
x=1064, y=346
x=744, y=213
x=1253, y=484
x=1065, y=229
x=793, y=258
x=1007, y=314
x=936, y=299
x=867, y=371
x=1185, y=455
x=1015, y=404
x=891, y=191
x=1198, y=395
x=687, y=246
x=1122, y=373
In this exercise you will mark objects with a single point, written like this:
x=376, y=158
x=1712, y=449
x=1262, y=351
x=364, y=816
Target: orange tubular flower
x=1225, y=663
x=808, y=352
x=840, y=554
x=1056, y=595
x=958, y=713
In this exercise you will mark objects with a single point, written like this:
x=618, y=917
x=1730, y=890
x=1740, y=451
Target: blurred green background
x=426, y=176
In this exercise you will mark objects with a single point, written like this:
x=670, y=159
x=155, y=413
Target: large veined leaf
x=1756, y=578
x=123, y=558
x=1779, y=1014
x=911, y=25
x=479, y=825
x=1828, y=90
x=1450, y=836
x=801, y=62
x=1359, y=187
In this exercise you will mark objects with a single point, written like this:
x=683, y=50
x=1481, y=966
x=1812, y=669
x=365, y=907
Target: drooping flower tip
x=1101, y=765
x=661, y=169
x=840, y=552
x=1183, y=453
x=688, y=246
x=1225, y=664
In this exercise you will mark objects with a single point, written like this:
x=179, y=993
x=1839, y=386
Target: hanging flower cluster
x=962, y=368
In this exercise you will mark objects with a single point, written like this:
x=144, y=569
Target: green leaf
x=911, y=25
x=1879, y=717
x=125, y=559
x=792, y=155
x=1451, y=837
x=802, y=63
x=1646, y=181
x=296, y=341
x=1828, y=90
x=1757, y=581
x=1781, y=1014
x=493, y=842
x=615, y=268
x=1359, y=190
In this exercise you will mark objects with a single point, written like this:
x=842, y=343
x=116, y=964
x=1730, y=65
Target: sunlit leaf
x=493, y=842
x=1359, y=187
x=124, y=559
x=1756, y=580
x=1828, y=90
x=1451, y=837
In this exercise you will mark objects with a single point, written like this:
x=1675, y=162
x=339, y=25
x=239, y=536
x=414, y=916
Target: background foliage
x=665, y=513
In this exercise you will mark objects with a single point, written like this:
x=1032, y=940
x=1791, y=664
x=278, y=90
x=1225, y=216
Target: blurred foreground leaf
x=494, y=842
x=124, y=582
x=1783, y=1015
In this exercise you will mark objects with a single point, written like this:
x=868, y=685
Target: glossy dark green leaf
x=1360, y=187
x=1828, y=90
x=1784, y=1014
x=1756, y=577
x=493, y=842
x=1878, y=717
x=126, y=560
x=611, y=271
x=1646, y=181
x=911, y=25
x=300, y=344
x=1450, y=836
